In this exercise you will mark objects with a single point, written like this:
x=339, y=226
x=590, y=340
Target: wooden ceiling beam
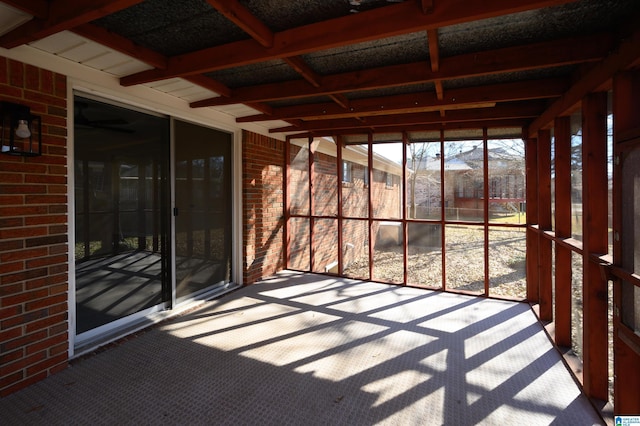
x=123, y=45
x=434, y=49
x=126, y=46
x=249, y=23
x=63, y=15
x=490, y=124
x=301, y=67
x=209, y=83
x=427, y=6
x=624, y=56
x=388, y=21
x=504, y=111
x=417, y=102
x=263, y=108
x=341, y=100
x=538, y=55
x=243, y=18
x=434, y=58
x=298, y=64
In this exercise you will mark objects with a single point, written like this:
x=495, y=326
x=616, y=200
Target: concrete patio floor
x=316, y=350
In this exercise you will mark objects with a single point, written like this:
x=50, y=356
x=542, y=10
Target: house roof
x=343, y=67
x=355, y=154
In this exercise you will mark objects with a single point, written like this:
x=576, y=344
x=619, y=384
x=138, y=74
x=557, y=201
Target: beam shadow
x=311, y=349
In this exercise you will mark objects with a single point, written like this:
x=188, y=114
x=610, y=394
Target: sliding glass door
x=121, y=160
x=123, y=233
x=202, y=209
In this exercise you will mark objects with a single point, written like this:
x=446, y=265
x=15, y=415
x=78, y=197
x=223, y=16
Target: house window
x=389, y=180
x=461, y=187
x=347, y=172
x=365, y=178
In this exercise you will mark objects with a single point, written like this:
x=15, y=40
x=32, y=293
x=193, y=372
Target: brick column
x=33, y=235
x=262, y=204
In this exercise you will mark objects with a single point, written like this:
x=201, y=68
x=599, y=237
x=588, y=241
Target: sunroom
x=177, y=152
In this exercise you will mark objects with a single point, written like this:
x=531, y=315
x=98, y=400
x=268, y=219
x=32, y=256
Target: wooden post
x=485, y=207
x=287, y=203
x=405, y=225
x=594, y=207
x=544, y=224
x=370, y=202
x=442, y=214
x=531, y=158
x=562, y=132
x=312, y=190
x=339, y=146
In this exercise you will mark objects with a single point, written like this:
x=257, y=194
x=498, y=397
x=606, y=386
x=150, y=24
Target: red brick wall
x=355, y=241
x=325, y=244
x=33, y=235
x=299, y=234
x=263, y=215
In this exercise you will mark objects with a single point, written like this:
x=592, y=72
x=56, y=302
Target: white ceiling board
x=172, y=85
x=11, y=18
x=84, y=52
x=182, y=89
x=274, y=124
x=107, y=61
x=67, y=45
x=237, y=110
x=130, y=66
x=192, y=92
x=59, y=42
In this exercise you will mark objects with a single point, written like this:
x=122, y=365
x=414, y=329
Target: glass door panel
x=203, y=208
x=121, y=162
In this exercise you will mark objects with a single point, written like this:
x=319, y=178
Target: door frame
x=90, y=339
x=148, y=101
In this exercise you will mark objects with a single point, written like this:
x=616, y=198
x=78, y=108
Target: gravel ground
x=464, y=262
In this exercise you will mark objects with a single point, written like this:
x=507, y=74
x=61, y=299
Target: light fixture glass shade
x=20, y=131
x=23, y=129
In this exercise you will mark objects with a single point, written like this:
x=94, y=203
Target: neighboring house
x=464, y=188
x=383, y=182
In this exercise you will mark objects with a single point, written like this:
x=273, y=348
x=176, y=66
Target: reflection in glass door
x=121, y=160
x=202, y=209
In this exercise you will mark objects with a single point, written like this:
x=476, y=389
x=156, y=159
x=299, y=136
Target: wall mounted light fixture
x=20, y=131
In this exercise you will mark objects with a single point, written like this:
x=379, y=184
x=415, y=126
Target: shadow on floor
x=308, y=349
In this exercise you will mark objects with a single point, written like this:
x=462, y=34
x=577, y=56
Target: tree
x=418, y=162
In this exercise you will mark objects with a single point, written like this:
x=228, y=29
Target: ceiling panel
x=78, y=49
x=323, y=64
x=11, y=18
